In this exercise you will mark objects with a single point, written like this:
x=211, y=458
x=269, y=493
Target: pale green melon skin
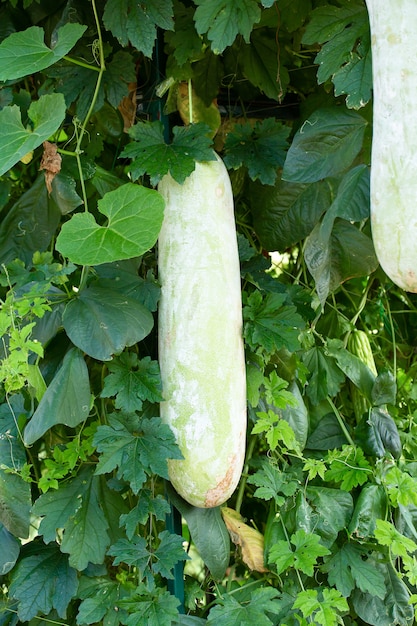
x=394, y=144
x=201, y=351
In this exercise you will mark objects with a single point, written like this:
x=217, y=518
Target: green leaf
x=297, y=416
x=378, y=434
x=151, y=155
x=354, y=78
x=349, y=467
x=370, y=506
x=327, y=435
x=384, y=390
x=271, y=324
x=146, y=506
x=395, y=608
x=329, y=513
x=208, y=532
x=332, y=258
x=33, y=55
x=223, y=20
x=12, y=450
x=351, y=365
x=286, y=213
x=307, y=549
x=10, y=550
x=134, y=216
x=43, y=581
x=169, y=552
x=184, y=42
x=85, y=537
x=65, y=401
x=352, y=201
x=64, y=193
x=158, y=608
x=100, y=599
x=132, y=381
x=46, y=115
x=345, y=54
x=132, y=552
x=348, y=569
x=130, y=21
x=325, y=377
x=119, y=73
x=136, y=454
x=401, y=487
x=272, y=483
x=29, y=224
x=326, y=609
x=229, y=612
x=261, y=148
x=15, y=503
x=102, y=322
x=325, y=145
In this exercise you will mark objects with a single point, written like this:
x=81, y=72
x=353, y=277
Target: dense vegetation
x=95, y=106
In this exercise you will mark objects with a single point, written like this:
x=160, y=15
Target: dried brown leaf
x=250, y=540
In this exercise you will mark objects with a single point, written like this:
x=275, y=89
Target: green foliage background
x=91, y=532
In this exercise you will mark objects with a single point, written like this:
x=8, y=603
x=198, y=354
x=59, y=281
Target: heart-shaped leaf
x=16, y=141
x=134, y=219
x=33, y=54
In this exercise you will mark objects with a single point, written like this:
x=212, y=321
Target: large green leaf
x=325, y=145
x=259, y=63
x=261, y=148
x=325, y=377
x=66, y=400
x=351, y=365
x=102, y=322
x=370, y=506
x=77, y=509
x=223, y=20
x=335, y=257
x=208, y=532
x=348, y=569
x=230, y=612
x=136, y=450
x=29, y=224
x=132, y=21
x=24, y=53
x=378, y=434
x=345, y=53
x=153, y=156
x=287, y=213
x=327, y=435
x=134, y=216
x=43, y=581
x=394, y=608
x=330, y=512
x=16, y=140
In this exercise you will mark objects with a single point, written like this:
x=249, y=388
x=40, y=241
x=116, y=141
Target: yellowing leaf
x=250, y=540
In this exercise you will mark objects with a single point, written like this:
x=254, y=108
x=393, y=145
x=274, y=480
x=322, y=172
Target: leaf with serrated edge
x=43, y=581
x=151, y=155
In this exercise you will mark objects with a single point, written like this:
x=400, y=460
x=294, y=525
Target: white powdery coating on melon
x=394, y=143
x=200, y=334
